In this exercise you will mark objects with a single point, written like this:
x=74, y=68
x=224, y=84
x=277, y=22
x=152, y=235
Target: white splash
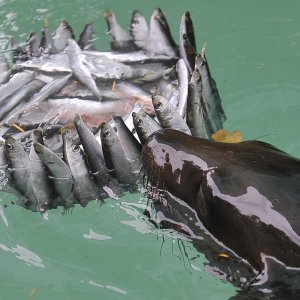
x=24, y=254
x=95, y=236
x=109, y=287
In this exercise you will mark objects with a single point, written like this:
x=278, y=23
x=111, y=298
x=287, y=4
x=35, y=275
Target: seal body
x=246, y=195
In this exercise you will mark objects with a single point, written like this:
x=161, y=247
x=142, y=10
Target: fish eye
x=140, y=122
x=75, y=148
x=106, y=134
x=158, y=105
x=10, y=146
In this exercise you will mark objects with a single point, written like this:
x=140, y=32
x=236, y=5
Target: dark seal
x=246, y=195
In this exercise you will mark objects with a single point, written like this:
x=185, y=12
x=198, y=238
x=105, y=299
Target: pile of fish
x=73, y=119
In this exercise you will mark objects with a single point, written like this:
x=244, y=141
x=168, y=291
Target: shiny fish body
x=122, y=41
x=19, y=168
x=132, y=148
x=139, y=30
x=210, y=94
x=195, y=111
x=144, y=125
x=60, y=174
x=95, y=159
x=114, y=154
x=15, y=83
x=63, y=33
x=168, y=116
x=41, y=185
x=80, y=69
x=85, y=189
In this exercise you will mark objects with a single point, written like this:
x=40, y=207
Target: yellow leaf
x=224, y=136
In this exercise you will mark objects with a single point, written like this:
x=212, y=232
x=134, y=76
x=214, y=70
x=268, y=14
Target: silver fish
x=15, y=83
x=63, y=33
x=132, y=148
x=144, y=125
x=210, y=94
x=96, y=161
x=195, y=112
x=41, y=185
x=85, y=41
x=122, y=41
x=160, y=38
x=60, y=174
x=115, y=156
x=19, y=168
x=80, y=70
x=187, y=41
x=183, y=80
x=85, y=189
x=168, y=116
x=12, y=101
x=139, y=30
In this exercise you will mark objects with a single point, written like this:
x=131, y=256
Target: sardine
x=122, y=41
x=139, y=30
x=6, y=184
x=63, y=33
x=85, y=41
x=210, y=94
x=96, y=161
x=18, y=52
x=80, y=70
x=85, y=189
x=195, y=111
x=187, y=41
x=60, y=174
x=12, y=101
x=132, y=148
x=19, y=168
x=183, y=80
x=41, y=185
x=115, y=156
x=32, y=46
x=144, y=125
x=47, y=43
x=160, y=38
x=16, y=82
x=168, y=116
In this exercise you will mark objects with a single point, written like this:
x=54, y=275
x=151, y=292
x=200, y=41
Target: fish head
x=161, y=105
x=108, y=135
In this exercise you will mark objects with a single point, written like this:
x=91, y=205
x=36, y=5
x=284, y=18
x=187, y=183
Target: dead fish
x=63, y=33
x=85, y=41
x=115, y=156
x=85, y=189
x=210, y=94
x=168, y=116
x=144, y=125
x=160, y=38
x=187, y=41
x=132, y=148
x=196, y=115
x=92, y=148
x=80, y=69
x=139, y=30
x=19, y=168
x=60, y=174
x=122, y=41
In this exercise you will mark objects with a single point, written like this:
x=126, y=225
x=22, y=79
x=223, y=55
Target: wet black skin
x=247, y=195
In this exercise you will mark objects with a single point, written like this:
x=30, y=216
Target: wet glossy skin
x=247, y=194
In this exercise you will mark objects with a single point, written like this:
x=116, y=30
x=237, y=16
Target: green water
x=112, y=251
